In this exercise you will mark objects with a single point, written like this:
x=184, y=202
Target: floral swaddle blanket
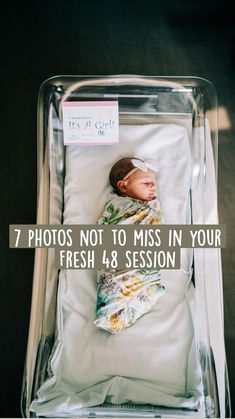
x=125, y=295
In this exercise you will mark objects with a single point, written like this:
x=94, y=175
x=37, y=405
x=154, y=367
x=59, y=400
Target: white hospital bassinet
x=172, y=361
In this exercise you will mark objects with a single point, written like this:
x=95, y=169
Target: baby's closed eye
x=149, y=183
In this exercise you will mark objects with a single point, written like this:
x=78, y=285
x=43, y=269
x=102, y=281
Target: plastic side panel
x=208, y=276
x=37, y=306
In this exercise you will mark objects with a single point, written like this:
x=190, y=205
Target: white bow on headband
x=147, y=164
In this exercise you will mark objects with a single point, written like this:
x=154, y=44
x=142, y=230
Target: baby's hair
x=119, y=170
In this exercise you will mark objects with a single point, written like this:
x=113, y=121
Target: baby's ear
x=121, y=186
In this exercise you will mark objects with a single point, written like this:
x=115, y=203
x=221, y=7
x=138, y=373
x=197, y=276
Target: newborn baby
x=137, y=183
x=125, y=295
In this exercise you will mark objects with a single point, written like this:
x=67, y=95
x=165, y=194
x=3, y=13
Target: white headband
x=147, y=164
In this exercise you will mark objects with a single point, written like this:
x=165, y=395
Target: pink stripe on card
x=90, y=143
x=103, y=103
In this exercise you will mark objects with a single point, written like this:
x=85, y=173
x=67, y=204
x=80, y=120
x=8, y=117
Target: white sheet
x=155, y=360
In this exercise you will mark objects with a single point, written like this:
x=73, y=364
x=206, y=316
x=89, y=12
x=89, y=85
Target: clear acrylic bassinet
x=171, y=363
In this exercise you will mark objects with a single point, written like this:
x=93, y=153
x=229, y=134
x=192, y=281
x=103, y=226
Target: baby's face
x=141, y=185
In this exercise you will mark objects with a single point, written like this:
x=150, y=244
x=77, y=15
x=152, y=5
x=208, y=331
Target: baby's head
x=129, y=180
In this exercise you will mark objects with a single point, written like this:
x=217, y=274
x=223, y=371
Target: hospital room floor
x=89, y=37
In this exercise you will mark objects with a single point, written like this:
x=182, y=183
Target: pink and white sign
x=90, y=122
